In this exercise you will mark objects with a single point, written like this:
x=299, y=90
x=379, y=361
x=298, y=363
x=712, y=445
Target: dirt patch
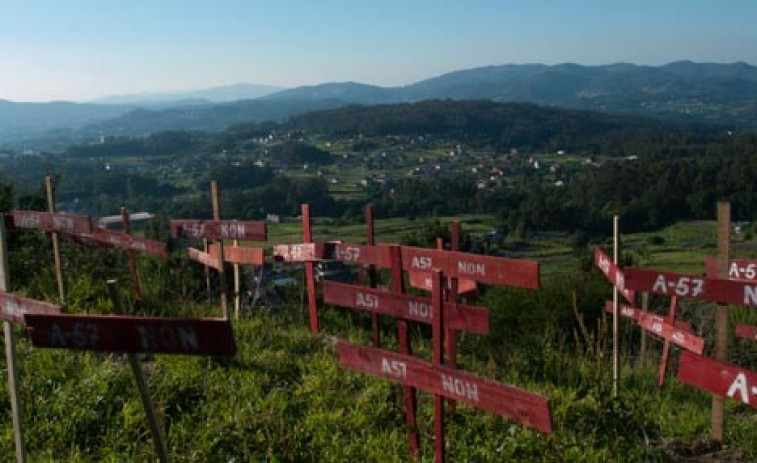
x=702, y=451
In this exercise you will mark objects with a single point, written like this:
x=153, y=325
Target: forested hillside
x=535, y=168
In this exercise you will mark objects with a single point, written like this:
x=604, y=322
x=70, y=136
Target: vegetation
x=284, y=397
x=537, y=169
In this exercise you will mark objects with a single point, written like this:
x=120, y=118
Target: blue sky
x=82, y=49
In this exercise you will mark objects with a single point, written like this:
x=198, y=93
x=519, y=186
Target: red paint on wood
x=304, y=252
x=130, y=334
x=13, y=308
x=692, y=286
x=720, y=378
x=248, y=230
x=370, y=240
x=746, y=332
x=484, y=269
x=348, y=253
x=422, y=280
x=111, y=238
x=636, y=313
x=53, y=221
x=613, y=273
x=409, y=393
x=626, y=310
x=307, y=237
x=204, y=258
x=357, y=254
x=239, y=254
x=437, y=357
x=680, y=337
x=513, y=403
x=738, y=269
x=458, y=316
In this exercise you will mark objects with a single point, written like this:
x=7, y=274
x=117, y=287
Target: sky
x=83, y=49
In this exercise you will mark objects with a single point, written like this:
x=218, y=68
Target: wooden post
x=216, y=199
x=132, y=255
x=450, y=341
x=616, y=309
x=206, y=249
x=372, y=277
x=139, y=377
x=10, y=351
x=403, y=339
x=237, y=286
x=643, y=345
x=307, y=235
x=437, y=339
x=56, y=243
x=721, y=317
x=670, y=318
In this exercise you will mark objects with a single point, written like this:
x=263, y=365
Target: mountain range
x=222, y=94
x=710, y=93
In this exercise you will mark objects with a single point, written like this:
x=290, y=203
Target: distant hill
x=348, y=92
x=717, y=94
x=19, y=121
x=724, y=94
x=501, y=127
x=526, y=127
x=216, y=117
x=222, y=94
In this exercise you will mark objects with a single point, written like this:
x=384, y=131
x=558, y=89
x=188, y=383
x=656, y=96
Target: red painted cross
x=444, y=381
x=724, y=379
x=205, y=258
x=613, y=273
x=112, y=238
x=461, y=317
x=13, y=308
x=746, y=332
x=219, y=229
x=238, y=254
x=53, y=221
x=130, y=334
x=736, y=292
x=668, y=328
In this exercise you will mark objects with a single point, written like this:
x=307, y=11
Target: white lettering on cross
x=460, y=388
x=471, y=268
x=394, y=368
x=420, y=309
x=739, y=385
x=750, y=295
x=370, y=301
x=63, y=223
x=423, y=263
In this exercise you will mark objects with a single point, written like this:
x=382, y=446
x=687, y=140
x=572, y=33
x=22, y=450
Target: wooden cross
x=443, y=381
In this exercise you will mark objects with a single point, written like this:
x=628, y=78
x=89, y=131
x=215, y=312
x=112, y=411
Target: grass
x=285, y=398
